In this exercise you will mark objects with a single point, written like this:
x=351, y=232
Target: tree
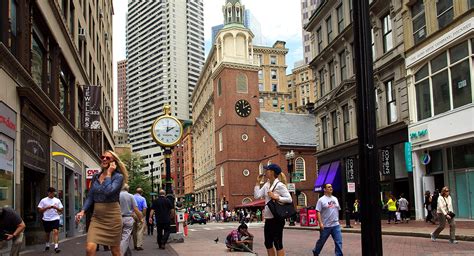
x=136, y=177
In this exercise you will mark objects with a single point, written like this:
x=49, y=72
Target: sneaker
x=453, y=241
x=433, y=238
x=57, y=250
x=46, y=248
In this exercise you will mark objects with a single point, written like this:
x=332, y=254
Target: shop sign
x=386, y=159
x=420, y=135
x=351, y=187
x=425, y=158
x=90, y=172
x=6, y=153
x=350, y=169
x=7, y=121
x=91, y=116
x=65, y=158
x=35, y=149
x=291, y=187
x=408, y=157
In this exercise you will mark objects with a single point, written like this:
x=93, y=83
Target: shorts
x=50, y=225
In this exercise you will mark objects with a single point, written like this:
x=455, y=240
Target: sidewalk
x=415, y=228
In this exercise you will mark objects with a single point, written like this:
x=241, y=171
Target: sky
x=279, y=19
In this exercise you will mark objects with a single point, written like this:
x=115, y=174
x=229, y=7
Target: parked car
x=197, y=217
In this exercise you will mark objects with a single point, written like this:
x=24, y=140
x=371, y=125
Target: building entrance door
x=68, y=213
x=33, y=192
x=465, y=193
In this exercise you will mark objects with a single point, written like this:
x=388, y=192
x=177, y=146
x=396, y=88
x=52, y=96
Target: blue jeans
x=336, y=234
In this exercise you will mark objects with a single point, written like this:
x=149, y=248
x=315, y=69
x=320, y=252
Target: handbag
x=450, y=213
x=281, y=210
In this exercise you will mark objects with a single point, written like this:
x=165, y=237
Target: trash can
x=312, y=218
x=304, y=217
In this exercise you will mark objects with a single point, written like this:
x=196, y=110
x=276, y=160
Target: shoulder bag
x=281, y=210
x=450, y=213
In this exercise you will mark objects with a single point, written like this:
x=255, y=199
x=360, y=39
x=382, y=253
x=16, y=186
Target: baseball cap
x=273, y=167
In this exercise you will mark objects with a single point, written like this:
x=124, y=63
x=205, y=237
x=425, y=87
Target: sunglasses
x=108, y=158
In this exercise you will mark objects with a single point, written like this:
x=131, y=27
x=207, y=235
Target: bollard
x=348, y=217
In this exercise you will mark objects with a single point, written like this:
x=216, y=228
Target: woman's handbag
x=281, y=210
x=450, y=213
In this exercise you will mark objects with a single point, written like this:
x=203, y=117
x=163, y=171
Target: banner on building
x=91, y=116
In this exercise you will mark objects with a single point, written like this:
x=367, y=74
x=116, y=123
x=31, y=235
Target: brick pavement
x=418, y=228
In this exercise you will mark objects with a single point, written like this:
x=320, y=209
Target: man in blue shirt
x=139, y=225
x=328, y=215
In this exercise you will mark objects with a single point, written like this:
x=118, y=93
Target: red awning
x=256, y=203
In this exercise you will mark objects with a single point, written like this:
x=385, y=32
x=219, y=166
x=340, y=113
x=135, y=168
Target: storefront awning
x=329, y=173
x=256, y=203
x=323, y=171
x=334, y=176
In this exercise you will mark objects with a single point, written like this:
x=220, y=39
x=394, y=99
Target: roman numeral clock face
x=243, y=108
x=167, y=131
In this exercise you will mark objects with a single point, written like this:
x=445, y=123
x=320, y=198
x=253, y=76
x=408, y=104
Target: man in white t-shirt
x=51, y=208
x=328, y=215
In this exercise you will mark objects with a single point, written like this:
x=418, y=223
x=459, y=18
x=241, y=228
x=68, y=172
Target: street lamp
x=290, y=155
x=151, y=172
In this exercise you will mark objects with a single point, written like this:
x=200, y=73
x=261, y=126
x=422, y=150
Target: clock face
x=243, y=108
x=167, y=130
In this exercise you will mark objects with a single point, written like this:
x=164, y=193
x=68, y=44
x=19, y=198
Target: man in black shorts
x=51, y=208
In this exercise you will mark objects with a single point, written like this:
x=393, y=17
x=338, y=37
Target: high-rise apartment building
x=307, y=8
x=122, y=95
x=165, y=54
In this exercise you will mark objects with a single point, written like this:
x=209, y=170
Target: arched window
x=222, y=175
x=302, y=200
x=246, y=200
x=242, y=85
x=300, y=169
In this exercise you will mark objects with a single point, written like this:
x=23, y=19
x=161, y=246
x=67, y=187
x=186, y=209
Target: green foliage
x=136, y=166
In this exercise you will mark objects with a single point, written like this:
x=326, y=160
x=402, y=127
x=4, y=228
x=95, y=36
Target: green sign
x=418, y=134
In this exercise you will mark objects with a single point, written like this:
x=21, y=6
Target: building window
x=260, y=168
x=13, y=27
x=444, y=11
x=321, y=82
x=260, y=101
x=471, y=4
x=300, y=169
x=350, y=11
x=275, y=102
x=306, y=48
x=71, y=18
x=260, y=86
x=273, y=60
x=335, y=133
x=64, y=88
x=423, y=97
x=274, y=87
x=221, y=142
x=242, y=85
x=373, y=43
x=324, y=124
x=332, y=75
x=449, y=85
x=222, y=175
x=342, y=61
x=302, y=200
x=260, y=74
x=290, y=106
x=38, y=56
x=329, y=29
x=340, y=18
x=418, y=20
x=320, y=40
x=219, y=87
x=391, y=102
x=273, y=73
x=387, y=33
x=345, y=120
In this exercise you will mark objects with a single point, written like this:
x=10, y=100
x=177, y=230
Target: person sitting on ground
x=240, y=240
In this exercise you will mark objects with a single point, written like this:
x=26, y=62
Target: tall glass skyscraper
x=165, y=53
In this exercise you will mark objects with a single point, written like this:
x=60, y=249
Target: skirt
x=106, y=224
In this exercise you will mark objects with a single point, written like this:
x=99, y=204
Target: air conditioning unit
x=106, y=36
x=82, y=34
